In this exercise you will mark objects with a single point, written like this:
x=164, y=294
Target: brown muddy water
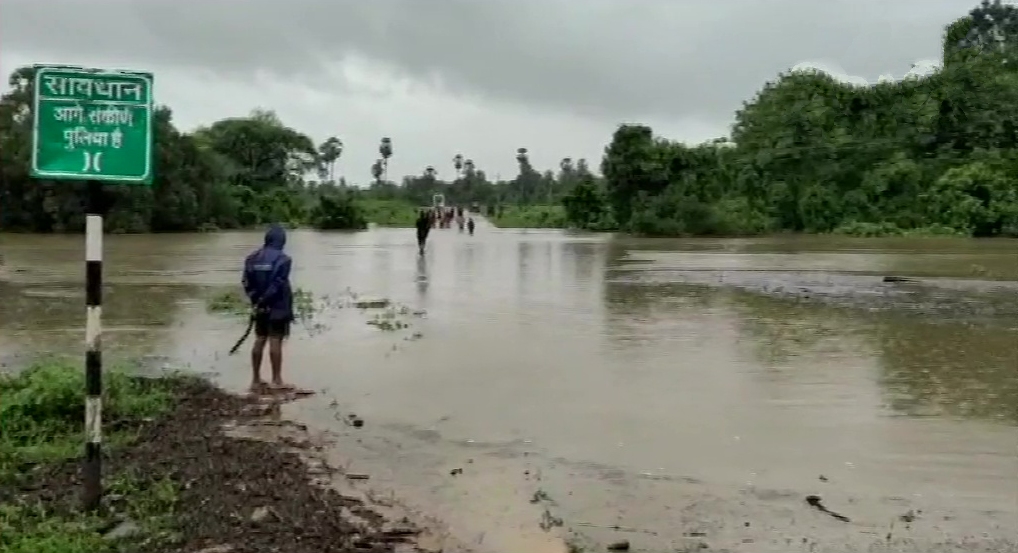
x=684, y=395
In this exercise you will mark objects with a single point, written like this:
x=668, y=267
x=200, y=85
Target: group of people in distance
x=441, y=217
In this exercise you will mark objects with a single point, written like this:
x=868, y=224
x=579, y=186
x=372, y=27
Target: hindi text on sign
x=94, y=88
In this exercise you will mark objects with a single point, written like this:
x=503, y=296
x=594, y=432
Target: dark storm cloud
x=666, y=58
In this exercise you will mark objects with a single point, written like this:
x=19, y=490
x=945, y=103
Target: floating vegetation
x=372, y=304
x=388, y=320
x=229, y=302
x=233, y=301
x=307, y=308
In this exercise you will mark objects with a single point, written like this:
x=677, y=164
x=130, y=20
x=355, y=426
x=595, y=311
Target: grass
x=389, y=213
x=531, y=216
x=385, y=314
x=41, y=428
x=232, y=301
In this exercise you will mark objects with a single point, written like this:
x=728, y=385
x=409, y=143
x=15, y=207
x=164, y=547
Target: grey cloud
x=613, y=58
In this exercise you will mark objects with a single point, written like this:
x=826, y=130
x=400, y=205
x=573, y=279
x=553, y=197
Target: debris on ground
x=815, y=502
x=234, y=494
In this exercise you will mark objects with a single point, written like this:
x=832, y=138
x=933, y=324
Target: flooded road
x=680, y=394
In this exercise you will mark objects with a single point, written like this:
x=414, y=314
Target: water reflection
x=922, y=368
x=421, y=278
x=781, y=331
x=523, y=250
x=954, y=369
x=582, y=260
x=42, y=291
x=381, y=264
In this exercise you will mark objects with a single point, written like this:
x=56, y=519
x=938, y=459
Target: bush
x=338, y=211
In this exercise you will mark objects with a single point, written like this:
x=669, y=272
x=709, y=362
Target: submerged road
x=574, y=388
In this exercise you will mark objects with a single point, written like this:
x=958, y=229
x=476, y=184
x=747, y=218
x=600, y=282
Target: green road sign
x=92, y=124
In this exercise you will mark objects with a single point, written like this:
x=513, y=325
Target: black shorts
x=271, y=328
x=422, y=237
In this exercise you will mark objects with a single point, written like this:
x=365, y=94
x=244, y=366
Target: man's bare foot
x=290, y=389
x=257, y=387
x=282, y=386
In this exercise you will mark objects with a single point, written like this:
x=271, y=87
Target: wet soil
x=236, y=494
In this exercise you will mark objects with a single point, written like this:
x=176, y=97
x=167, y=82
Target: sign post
x=93, y=125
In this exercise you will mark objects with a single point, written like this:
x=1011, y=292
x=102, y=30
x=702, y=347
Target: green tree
x=329, y=152
x=378, y=170
x=385, y=150
x=338, y=210
x=811, y=154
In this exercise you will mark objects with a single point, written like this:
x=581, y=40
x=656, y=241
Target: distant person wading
x=424, y=223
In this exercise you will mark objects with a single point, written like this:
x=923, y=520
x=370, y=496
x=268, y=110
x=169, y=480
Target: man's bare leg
x=257, y=350
x=276, y=360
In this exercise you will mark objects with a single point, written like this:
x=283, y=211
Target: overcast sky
x=477, y=77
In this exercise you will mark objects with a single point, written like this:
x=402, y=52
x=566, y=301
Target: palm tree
x=582, y=167
x=385, y=149
x=521, y=156
x=457, y=163
x=468, y=180
x=329, y=152
x=566, y=165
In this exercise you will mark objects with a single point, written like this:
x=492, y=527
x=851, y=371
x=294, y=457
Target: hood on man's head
x=275, y=237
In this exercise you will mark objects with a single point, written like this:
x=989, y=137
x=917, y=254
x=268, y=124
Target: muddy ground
x=237, y=494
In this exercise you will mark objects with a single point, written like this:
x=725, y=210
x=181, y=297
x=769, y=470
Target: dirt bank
x=234, y=493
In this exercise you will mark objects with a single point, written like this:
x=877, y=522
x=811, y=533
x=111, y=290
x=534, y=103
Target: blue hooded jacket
x=267, y=276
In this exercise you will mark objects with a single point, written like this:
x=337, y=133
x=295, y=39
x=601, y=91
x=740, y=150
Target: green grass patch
x=228, y=302
x=232, y=301
x=43, y=408
x=389, y=213
x=531, y=216
x=41, y=429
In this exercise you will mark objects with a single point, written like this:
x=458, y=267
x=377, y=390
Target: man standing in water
x=423, y=227
x=470, y=225
x=267, y=284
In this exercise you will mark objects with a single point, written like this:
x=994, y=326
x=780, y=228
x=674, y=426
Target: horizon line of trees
x=935, y=154
x=929, y=155
x=239, y=172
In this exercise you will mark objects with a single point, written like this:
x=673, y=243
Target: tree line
x=245, y=171
x=936, y=154
x=928, y=155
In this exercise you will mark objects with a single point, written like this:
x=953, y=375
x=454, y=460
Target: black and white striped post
x=92, y=470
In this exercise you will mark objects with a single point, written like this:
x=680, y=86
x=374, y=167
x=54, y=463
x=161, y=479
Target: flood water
x=672, y=388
